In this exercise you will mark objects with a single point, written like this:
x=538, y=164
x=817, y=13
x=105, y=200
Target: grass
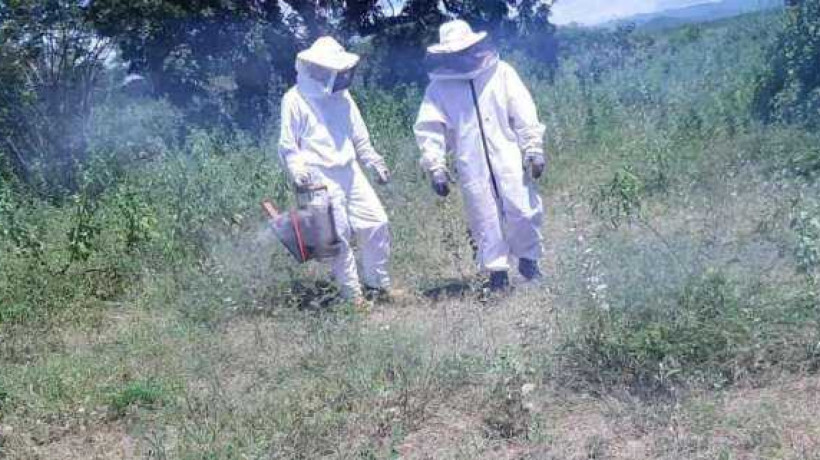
x=146, y=393
x=679, y=318
x=708, y=332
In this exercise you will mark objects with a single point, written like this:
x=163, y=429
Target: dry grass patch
x=96, y=441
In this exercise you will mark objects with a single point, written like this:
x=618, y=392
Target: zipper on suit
x=485, y=145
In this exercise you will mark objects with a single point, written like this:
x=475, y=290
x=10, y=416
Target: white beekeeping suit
x=322, y=137
x=496, y=156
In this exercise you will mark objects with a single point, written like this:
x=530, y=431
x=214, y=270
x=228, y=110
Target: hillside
x=703, y=12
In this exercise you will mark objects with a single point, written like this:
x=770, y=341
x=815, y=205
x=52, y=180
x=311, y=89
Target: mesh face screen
x=464, y=62
x=320, y=74
x=343, y=80
x=340, y=80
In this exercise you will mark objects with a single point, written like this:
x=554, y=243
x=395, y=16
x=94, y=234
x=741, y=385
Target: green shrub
x=4, y=397
x=805, y=223
x=805, y=163
x=789, y=90
x=710, y=331
x=143, y=393
x=686, y=36
x=127, y=219
x=620, y=199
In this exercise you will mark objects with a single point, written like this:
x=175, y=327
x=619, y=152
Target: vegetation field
x=151, y=314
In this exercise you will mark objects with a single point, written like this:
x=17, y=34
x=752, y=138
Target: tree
x=217, y=59
x=50, y=64
x=789, y=90
x=398, y=45
x=535, y=34
x=397, y=48
x=222, y=60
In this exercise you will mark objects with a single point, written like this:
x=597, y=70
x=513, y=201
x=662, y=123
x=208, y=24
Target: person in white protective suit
x=322, y=137
x=477, y=108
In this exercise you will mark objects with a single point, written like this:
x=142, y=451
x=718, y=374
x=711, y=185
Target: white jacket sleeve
x=431, y=133
x=361, y=138
x=290, y=130
x=523, y=114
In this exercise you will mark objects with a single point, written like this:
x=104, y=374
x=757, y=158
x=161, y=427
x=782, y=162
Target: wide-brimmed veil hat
x=455, y=36
x=327, y=52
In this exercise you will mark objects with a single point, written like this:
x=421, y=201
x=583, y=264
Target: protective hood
x=325, y=68
x=316, y=81
x=462, y=64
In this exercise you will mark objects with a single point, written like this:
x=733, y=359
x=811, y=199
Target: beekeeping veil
x=325, y=68
x=461, y=53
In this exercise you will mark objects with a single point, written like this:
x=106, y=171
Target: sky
x=590, y=12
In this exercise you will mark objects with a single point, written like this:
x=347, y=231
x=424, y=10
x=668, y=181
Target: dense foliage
x=51, y=72
x=789, y=91
x=66, y=65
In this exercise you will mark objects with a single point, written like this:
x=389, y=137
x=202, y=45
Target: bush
x=51, y=62
x=160, y=214
x=619, y=200
x=805, y=223
x=711, y=331
x=789, y=90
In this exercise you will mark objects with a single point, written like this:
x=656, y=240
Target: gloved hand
x=382, y=173
x=535, y=164
x=441, y=182
x=303, y=179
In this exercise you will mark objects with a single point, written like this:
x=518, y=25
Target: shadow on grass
x=313, y=296
x=452, y=289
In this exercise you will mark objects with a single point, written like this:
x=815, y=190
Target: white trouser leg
x=357, y=210
x=524, y=215
x=344, y=265
x=511, y=229
x=485, y=226
x=369, y=222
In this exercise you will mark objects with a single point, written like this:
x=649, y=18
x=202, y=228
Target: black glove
x=441, y=182
x=303, y=180
x=382, y=173
x=535, y=164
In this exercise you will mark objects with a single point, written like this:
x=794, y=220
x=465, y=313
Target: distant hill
x=703, y=12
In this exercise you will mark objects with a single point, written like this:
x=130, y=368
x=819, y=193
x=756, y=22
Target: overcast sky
x=597, y=11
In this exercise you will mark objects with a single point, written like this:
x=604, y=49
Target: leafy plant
x=806, y=225
x=84, y=229
x=619, y=199
x=138, y=218
x=4, y=397
x=789, y=90
x=51, y=65
x=142, y=393
x=709, y=331
x=16, y=228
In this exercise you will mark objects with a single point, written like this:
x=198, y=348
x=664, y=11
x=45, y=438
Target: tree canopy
x=221, y=63
x=222, y=58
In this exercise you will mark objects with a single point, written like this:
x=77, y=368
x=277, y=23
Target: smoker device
x=309, y=231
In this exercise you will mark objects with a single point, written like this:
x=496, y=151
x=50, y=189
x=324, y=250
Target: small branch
x=19, y=161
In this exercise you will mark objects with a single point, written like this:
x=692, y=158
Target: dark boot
x=529, y=269
x=499, y=281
